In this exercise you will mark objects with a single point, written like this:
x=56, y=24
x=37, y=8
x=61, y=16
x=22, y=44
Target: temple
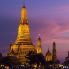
x=23, y=44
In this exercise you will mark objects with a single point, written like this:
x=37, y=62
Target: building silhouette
x=66, y=62
x=54, y=57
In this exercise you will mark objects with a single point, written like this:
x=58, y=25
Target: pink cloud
x=64, y=9
x=55, y=29
x=51, y=30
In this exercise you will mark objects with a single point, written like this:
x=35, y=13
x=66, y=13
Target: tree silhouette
x=9, y=60
x=35, y=58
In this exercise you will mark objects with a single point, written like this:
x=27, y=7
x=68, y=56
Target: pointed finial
x=48, y=48
x=54, y=43
x=39, y=35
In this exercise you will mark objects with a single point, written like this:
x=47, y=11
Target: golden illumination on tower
x=48, y=56
x=24, y=30
x=23, y=27
x=39, y=48
x=23, y=44
x=23, y=13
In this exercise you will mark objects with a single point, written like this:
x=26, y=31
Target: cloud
x=63, y=9
x=51, y=30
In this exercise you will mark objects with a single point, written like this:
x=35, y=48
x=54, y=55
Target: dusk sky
x=50, y=18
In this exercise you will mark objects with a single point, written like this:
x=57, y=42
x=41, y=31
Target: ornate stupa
x=23, y=43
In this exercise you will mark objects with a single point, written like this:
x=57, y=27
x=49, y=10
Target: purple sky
x=50, y=18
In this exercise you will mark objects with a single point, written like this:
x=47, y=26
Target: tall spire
x=39, y=41
x=39, y=48
x=23, y=44
x=24, y=29
x=54, y=52
x=24, y=14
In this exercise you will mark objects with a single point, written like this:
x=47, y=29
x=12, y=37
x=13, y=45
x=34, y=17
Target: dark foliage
x=35, y=58
x=9, y=60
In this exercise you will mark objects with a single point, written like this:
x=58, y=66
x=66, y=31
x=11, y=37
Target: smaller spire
x=48, y=56
x=48, y=52
x=54, y=43
x=54, y=52
x=39, y=37
x=39, y=41
x=39, y=44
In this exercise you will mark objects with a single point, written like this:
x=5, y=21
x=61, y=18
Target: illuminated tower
x=39, y=48
x=54, y=57
x=23, y=44
x=48, y=56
